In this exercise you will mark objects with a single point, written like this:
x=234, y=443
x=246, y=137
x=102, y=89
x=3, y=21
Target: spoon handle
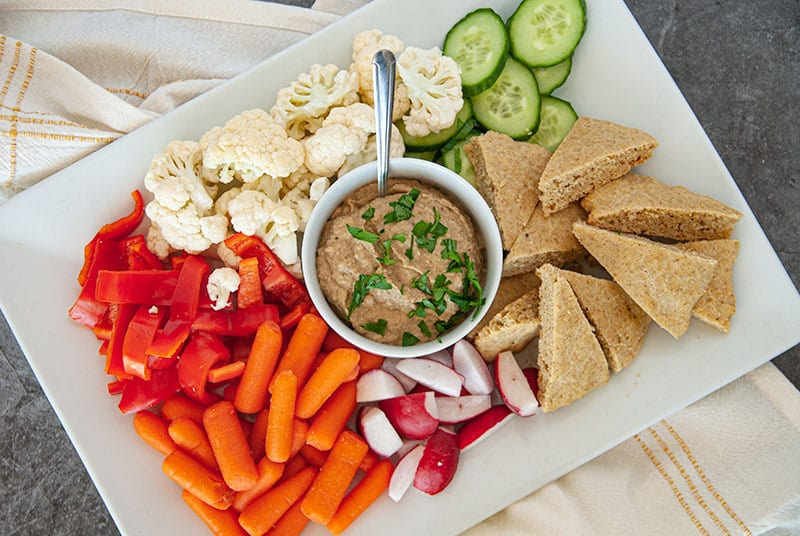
x=383, y=74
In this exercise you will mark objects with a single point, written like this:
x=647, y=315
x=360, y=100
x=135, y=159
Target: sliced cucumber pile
x=557, y=118
x=546, y=32
x=455, y=158
x=511, y=105
x=436, y=140
x=479, y=45
x=552, y=78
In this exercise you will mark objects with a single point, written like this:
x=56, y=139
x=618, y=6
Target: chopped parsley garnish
x=386, y=260
x=378, y=327
x=402, y=208
x=362, y=286
x=409, y=339
x=369, y=213
x=423, y=328
x=427, y=233
x=360, y=234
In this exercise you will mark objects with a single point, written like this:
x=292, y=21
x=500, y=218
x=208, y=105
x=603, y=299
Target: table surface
x=738, y=65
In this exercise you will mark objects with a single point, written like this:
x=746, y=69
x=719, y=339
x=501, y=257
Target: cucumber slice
x=435, y=140
x=550, y=78
x=558, y=116
x=546, y=32
x=456, y=159
x=479, y=45
x=428, y=155
x=511, y=105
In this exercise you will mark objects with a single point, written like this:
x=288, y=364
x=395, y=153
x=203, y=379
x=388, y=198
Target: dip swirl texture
x=404, y=281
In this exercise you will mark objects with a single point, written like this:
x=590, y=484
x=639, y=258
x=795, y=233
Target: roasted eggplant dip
x=403, y=268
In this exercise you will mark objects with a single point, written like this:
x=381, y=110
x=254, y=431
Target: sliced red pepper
x=151, y=287
x=141, y=331
x=249, y=292
x=278, y=283
x=116, y=387
x=107, y=256
x=201, y=353
x=139, y=394
x=120, y=323
x=138, y=256
x=183, y=310
x=290, y=319
x=237, y=323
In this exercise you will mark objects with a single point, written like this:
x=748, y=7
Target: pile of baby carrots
x=250, y=404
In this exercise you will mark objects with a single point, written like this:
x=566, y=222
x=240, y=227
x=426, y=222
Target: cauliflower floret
x=434, y=87
x=252, y=212
x=270, y=186
x=173, y=177
x=227, y=256
x=280, y=234
x=365, y=45
x=302, y=106
x=345, y=131
x=187, y=229
x=157, y=243
x=303, y=198
x=250, y=145
x=221, y=283
x=370, y=152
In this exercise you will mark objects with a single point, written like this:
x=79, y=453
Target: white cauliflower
x=227, y=256
x=370, y=152
x=345, y=131
x=173, y=177
x=303, y=198
x=365, y=45
x=434, y=88
x=156, y=242
x=280, y=234
x=221, y=283
x=301, y=107
x=187, y=228
x=250, y=145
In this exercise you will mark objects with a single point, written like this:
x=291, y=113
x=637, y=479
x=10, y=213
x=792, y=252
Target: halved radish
x=404, y=473
x=438, y=464
x=390, y=366
x=433, y=375
x=482, y=426
x=471, y=365
x=513, y=386
x=377, y=384
x=414, y=416
x=454, y=409
x=381, y=436
x=441, y=356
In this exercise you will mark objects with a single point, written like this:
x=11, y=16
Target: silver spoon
x=383, y=74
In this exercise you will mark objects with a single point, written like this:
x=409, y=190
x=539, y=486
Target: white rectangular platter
x=616, y=76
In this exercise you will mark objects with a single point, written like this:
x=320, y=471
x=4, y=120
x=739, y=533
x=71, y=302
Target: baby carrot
x=317, y=457
x=252, y=392
x=268, y=474
x=334, y=477
x=294, y=466
x=220, y=522
x=153, y=430
x=299, y=432
x=191, y=437
x=330, y=374
x=332, y=417
x=230, y=446
x=291, y=523
x=259, y=516
x=197, y=479
x=374, y=483
x=278, y=442
x=303, y=347
x=369, y=361
x=258, y=434
x=229, y=371
x=249, y=291
x=179, y=405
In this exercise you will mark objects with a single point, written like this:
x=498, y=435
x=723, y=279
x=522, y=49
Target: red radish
x=381, y=436
x=390, y=366
x=414, y=416
x=532, y=375
x=471, y=365
x=513, y=386
x=433, y=375
x=441, y=356
x=408, y=446
x=438, y=464
x=453, y=409
x=377, y=384
x=482, y=426
x=404, y=472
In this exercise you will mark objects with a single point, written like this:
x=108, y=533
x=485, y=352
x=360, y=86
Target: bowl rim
x=446, y=181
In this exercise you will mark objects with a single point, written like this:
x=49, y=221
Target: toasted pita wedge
x=507, y=175
x=545, y=240
x=619, y=324
x=516, y=325
x=663, y=280
x=642, y=205
x=571, y=361
x=509, y=290
x=717, y=306
x=593, y=153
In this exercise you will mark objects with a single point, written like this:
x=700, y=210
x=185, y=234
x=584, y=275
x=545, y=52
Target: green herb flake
x=402, y=209
x=424, y=329
x=360, y=234
x=369, y=213
x=378, y=326
x=409, y=339
x=362, y=286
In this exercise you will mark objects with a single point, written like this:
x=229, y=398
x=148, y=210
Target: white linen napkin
x=725, y=465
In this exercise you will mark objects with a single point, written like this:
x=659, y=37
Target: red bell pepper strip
x=237, y=323
x=139, y=394
x=278, y=283
x=201, y=353
x=119, y=326
x=249, y=292
x=106, y=256
x=183, y=310
x=116, y=387
x=149, y=287
x=138, y=256
x=141, y=331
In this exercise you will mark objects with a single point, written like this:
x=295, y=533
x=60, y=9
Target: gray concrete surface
x=737, y=63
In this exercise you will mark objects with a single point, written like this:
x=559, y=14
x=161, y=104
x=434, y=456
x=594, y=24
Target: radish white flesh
x=433, y=375
x=438, y=464
x=454, y=409
x=390, y=366
x=381, y=436
x=513, y=386
x=482, y=426
x=443, y=357
x=468, y=362
x=377, y=384
x=414, y=416
x=404, y=472
x=408, y=446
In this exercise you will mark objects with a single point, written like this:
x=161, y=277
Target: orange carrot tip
x=220, y=522
x=153, y=430
x=191, y=437
x=334, y=370
x=367, y=491
x=261, y=514
x=268, y=474
x=179, y=405
x=251, y=396
x=230, y=446
x=197, y=479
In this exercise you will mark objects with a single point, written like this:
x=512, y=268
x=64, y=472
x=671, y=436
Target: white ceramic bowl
x=447, y=182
